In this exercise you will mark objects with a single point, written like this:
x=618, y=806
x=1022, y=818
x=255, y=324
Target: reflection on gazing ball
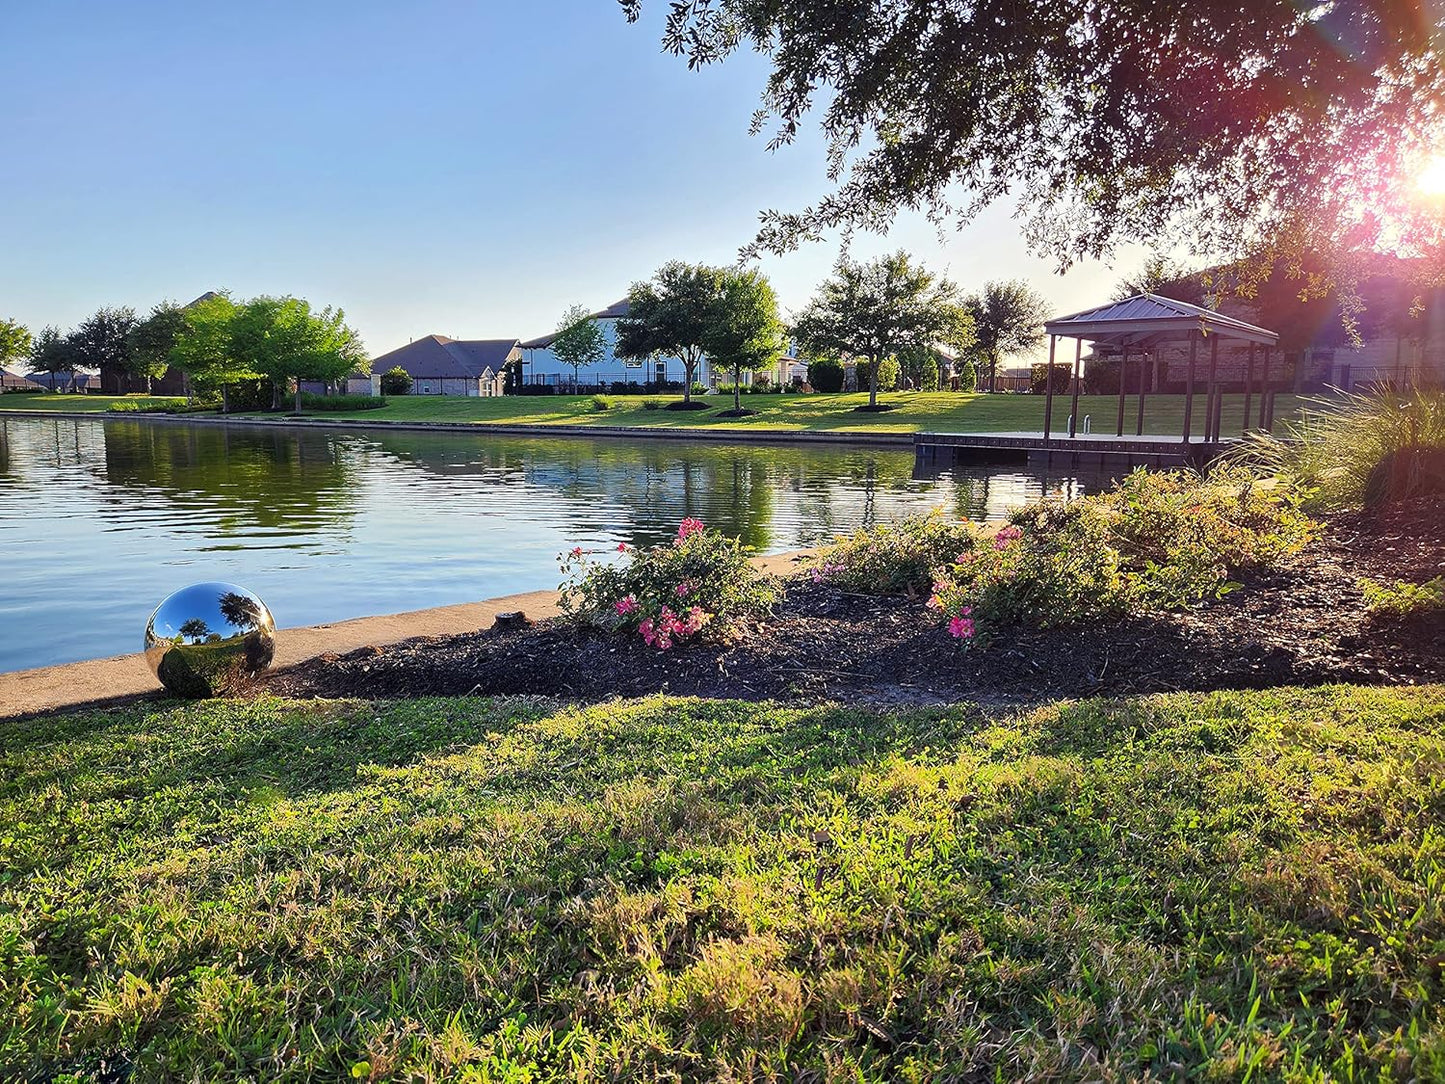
x=209, y=639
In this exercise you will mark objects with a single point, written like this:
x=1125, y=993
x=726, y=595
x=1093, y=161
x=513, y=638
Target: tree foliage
x=883, y=307
x=1008, y=319
x=1165, y=277
x=205, y=349
x=284, y=340
x=53, y=353
x=1242, y=125
x=102, y=342
x=579, y=340
x=745, y=333
x=396, y=381
x=670, y=316
x=153, y=339
x=15, y=341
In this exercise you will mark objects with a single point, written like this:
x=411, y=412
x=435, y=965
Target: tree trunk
x=993, y=372
x=873, y=382
x=298, y=396
x=689, y=366
x=225, y=399
x=737, y=389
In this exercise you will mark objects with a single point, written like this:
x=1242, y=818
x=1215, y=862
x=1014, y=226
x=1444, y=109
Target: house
x=15, y=380
x=442, y=366
x=65, y=381
x=541, y=367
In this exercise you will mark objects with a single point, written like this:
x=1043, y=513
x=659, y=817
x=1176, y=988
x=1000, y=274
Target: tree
x=396, y=381
x=53, y=353
x=886, y=306
x=1008, y=319
x=744, y=332
x=102, y=342
x=283, y=340
x=205, y=349
x=153, y=339
x=579, y=340
x=1242, y=122
x=1161, y=275
x=670, y=315
x=15, y=342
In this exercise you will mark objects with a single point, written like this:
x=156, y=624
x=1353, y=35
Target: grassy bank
x=1234, y=885
x=943, y=411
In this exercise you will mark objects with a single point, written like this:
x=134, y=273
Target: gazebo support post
x=1248, y=389
x=1146, y=360
x=1189, y=384
x=1074, y=403
x=1123, y=383
x=1049, y=389
x=1211, y=409
x=1264, y=391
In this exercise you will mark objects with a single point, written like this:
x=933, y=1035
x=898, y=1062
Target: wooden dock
x=1036, y=449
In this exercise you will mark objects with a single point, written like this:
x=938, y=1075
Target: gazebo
x=1143, y=323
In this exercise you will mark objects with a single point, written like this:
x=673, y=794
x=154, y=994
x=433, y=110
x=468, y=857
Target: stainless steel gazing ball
x=209, y=639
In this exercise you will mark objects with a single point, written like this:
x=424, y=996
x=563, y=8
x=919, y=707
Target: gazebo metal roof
x=1149, y=318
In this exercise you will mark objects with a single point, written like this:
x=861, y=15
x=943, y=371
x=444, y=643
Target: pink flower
x=935, y=603
x=625, y=606
x=688, y=527
x=576, y=551
x=696, y=619
x=622, y=547
x=961, y=628
x=684, y=589
x=1002, y=539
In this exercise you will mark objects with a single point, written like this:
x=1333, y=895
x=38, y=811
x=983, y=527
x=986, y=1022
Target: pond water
x=100, y=519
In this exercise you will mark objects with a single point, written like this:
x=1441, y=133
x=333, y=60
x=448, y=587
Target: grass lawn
x=942, y=411
x=946, y=411
x=1227, y=886
x=72, y=404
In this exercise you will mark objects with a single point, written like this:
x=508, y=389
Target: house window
x=661, y=372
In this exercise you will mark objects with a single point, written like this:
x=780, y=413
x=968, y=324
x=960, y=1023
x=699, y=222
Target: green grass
x=942, y=411
x=76, y=404
x=1236, y=886
x=811, y=413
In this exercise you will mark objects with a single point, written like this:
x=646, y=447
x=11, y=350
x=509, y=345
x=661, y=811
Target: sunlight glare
x=1431, y=179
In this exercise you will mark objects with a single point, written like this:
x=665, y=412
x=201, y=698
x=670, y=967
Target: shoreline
x=741, y=435
x=122, y=679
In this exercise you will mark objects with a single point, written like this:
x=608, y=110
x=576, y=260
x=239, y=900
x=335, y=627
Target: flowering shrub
x=666, y=594
x=1154, y=542
x=893, y=559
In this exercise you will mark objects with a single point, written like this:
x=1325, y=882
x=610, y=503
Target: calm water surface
x=99, y=520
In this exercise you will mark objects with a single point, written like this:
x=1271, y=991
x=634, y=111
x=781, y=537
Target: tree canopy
x=205, y=349
x=1234, y=123
x=579, y=340
x=1008, y=319
x=53, y=353
x=102, y=342
x=282, y=339
x=745, y=333
x=879, y=308
x=153, y=339
x=670, y=315
x=14, y=341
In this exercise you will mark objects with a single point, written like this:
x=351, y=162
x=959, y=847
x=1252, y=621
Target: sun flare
x=1431, y=179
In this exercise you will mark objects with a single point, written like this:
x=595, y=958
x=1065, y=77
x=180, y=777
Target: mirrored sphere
x=209, y=639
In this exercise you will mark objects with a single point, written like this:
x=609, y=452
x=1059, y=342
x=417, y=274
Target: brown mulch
x=1304, y=624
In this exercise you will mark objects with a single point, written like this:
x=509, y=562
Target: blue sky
x=467, y=168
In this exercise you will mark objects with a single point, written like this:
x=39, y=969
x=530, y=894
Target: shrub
x=22, y=391
x=896, y=558
x=1361, y=449
x=600, y=403
x=396, y=381
x=653, y=403
x=825, y=374
x=1404, y=598
x=697, y=389
x=1154, y=542
x=702, y=580
x=1060, y=375
x=342, y=402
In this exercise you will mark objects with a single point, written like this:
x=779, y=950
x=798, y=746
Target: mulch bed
x=1304, y=624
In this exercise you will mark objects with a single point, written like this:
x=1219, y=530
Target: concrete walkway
x=126, y=677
